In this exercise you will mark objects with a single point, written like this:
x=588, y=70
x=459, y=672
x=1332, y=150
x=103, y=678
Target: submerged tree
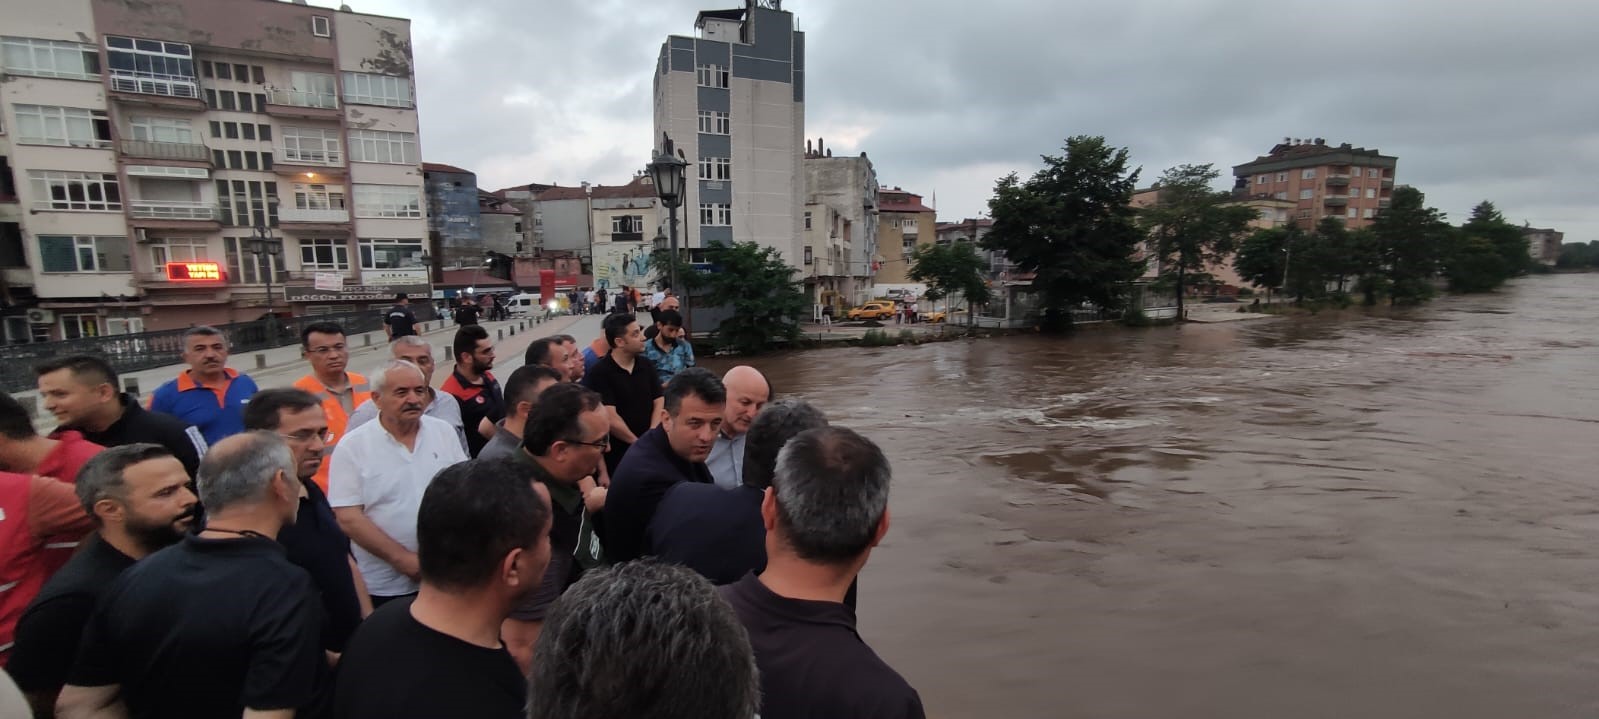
x=1192, y=226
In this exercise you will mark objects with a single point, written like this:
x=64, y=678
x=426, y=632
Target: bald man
x=747, y=392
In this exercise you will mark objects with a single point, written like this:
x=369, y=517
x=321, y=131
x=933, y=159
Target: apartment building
x=172, y=159
x=903, y=225
x=840, y=227
x=732, y=99
x=1543, y=245
x=1350, y=183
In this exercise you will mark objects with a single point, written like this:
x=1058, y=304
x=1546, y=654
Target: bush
x=1246, y=292
x=906, y=337
x=1135, y=317
x=876, y=338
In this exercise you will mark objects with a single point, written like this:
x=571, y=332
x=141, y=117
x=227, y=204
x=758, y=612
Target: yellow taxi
x=875, y=310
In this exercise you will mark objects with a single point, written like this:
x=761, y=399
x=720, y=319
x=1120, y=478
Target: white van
x=522, y=304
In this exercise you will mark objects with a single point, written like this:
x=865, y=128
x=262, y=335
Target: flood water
x=1385, y=515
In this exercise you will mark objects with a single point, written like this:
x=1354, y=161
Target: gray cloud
x=1479, y=100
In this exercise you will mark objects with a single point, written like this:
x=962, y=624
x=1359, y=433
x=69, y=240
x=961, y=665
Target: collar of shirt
x=563, y=494
x=187, y=382
x=807, y=611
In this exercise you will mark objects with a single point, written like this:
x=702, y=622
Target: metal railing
x=299, y=98
x=306, y=156
x=146, y=149
x=170, y=210
x=148, y=350
x=155, y=84
x=294, y=214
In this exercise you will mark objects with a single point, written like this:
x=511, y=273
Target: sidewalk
x=281, y=366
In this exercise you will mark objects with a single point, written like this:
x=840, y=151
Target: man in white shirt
x=379, y=474
x=747, y=392
x=443, y=405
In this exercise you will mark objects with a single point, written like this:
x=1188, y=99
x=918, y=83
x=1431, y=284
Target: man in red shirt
x=24, y=451
x=35, y=512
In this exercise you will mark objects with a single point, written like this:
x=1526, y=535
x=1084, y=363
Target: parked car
x=876, y=310
x=941, y=315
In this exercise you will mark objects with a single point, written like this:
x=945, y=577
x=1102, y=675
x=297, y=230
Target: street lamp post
x=263, y=244
x=667, y=173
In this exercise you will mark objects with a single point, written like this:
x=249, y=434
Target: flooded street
x=1393, y=515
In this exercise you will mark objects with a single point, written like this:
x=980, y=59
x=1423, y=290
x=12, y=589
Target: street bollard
x=260, y=360
x=366, y=340
x=131, y=385
x=444, y=354
x=499, y=335
x=513, y=330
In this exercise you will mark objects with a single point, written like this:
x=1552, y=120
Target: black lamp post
x=263, y=244
x=667, y=173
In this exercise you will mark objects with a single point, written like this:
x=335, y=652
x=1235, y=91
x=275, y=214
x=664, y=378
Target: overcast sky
x=1478, y=100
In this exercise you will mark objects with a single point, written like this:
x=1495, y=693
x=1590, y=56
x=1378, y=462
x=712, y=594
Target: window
x=368, y=89
x=1262, y=179
x=123, y=325
x=627, y=224
x=309, y=89
x=1308, y=173
x=178, y=249
x=1280, y=196
x=76, y=327
x=1304, y=194
x=62, y=126
x=324, y=255
x=265, y=131
x=1282, y=177
x=716, y=168
x=1352, y=213
x=244, y=267
x=248, y=203
x=908, y=246
x=247, y=131
x=807, y=219
x=49, y=58
x=712, y=76
x=162, y=129
x=305, y=144
x=390, y=254
x=387, y=201
x=1367, y=213
x=395, y=148
x=224, y=71
x=87, y=191
x=321, y=27
x=67, y=253
x=716, y=214
x=715, y=123
x=1371, y=193
x=1373, y=172
x=318, y=197
x=1354, y=193
x=151, y=67
x=807, y=254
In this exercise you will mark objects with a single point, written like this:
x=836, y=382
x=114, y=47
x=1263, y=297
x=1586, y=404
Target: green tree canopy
x=951, y=269
x=1411, y=239
x=754, y=282
x=1192, y=226
x=1072, y=225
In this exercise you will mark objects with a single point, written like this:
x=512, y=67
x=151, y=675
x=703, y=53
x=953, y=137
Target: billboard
x=354, y=293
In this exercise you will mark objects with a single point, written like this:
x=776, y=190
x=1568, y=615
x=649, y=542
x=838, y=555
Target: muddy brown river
x=1385, y=515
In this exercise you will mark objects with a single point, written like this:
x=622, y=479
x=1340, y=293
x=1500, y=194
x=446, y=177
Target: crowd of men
x=615, y=537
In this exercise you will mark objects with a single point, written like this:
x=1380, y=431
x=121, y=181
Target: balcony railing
x=172, y=210
x=302, y=156
x=1387, y=183
x=185, y=151
x=1335, y=201
x=1337, y=180
x=294, y=214
x=155, y=84
x=1384, y=202
x=298, y=98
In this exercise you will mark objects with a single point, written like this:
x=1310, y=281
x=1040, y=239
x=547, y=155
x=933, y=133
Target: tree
x=1475, y=265
x=1411, y=239
x=1507, y=240
x=1192, y=226
x=951, y=269
x=1365, y=264
x=754, y=282
x=1261, y=256
x=1579, y=255
x=1072, y=225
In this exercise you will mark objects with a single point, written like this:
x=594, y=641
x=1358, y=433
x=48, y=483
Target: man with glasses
x=566, y=434
x=339, y=391
x=443, y=405
x=315, y=542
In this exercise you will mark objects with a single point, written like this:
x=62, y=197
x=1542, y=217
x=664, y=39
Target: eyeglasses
x=308, y=435
x=603, y=443
x=327, y=350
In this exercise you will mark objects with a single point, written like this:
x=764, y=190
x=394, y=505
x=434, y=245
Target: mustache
x=408, y=407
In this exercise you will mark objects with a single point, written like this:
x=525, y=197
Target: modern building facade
x=149, y=143
x=455, y=221
x=904, y=224
x=732, y=99
x=839, y=228
x=1350, y=183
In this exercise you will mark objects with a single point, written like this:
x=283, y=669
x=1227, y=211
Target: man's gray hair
x=832, y=491
x=773, y=427
x=202, y=331
x=102, y=476
x=643, y=639
x=240, y=472
x=379, y=379
x=411, y=341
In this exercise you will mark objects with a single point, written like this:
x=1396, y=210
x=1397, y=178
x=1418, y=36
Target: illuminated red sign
x=194, y=272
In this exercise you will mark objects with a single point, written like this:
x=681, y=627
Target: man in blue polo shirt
x=207, y=395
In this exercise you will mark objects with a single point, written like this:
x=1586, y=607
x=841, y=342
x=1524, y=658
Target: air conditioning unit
x=41, y=317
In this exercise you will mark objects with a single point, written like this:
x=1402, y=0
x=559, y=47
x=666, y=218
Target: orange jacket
x=337, y=417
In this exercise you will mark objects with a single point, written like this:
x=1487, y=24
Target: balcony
x=169, y=151
x=173, y=215
x=1337, y=180
x=1335, y=201
x=320, y=158
x=157, y=90
x=336, y=215
x=1387, y=183
x=1383, y=203
x=296, y=103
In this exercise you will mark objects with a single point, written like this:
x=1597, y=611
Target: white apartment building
x=144, y=163
x=732, y=99
x=840, y=228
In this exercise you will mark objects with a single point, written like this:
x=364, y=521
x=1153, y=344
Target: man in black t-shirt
x=827, y=508
x=467, y=313
x=483, y=542
x=628, y=386
x=81, y=391
x=399, y=320
x=218, y=624
x=665, y=456
x=139, y=497
x=561, y=443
